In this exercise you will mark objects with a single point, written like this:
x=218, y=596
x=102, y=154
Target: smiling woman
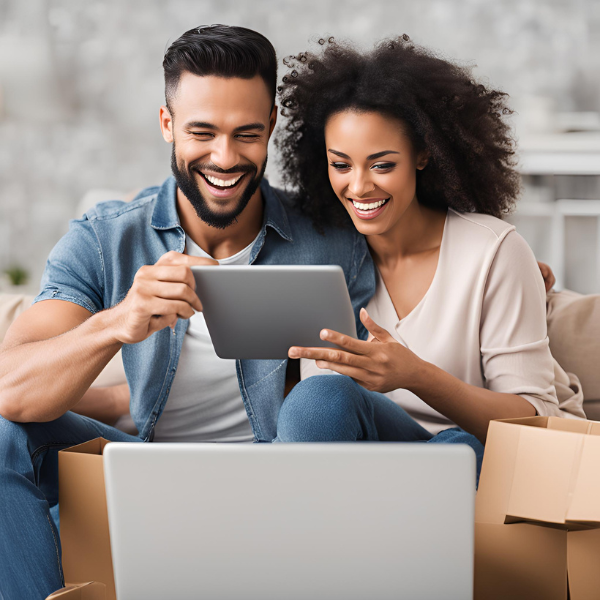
x=416, y=155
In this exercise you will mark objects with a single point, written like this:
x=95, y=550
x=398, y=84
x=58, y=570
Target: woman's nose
x=359, y=186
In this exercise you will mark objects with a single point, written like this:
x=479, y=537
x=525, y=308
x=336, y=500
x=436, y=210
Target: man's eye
x=384, y=166
x=340, y=166
x=201, y=133
x=247, y=136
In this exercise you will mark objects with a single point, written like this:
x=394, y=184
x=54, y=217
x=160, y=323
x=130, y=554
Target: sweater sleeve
x=515, y=351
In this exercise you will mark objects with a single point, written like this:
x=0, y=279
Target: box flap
x=585, y=497
x=495, y=482
x=544, y=475
x=572, y=425
x=91, y=590
x=95, y=446
x=528, y=421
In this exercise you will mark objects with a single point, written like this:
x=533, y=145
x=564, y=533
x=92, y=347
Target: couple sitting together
x=401, y=167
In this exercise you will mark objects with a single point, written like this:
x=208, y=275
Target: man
x=121, y=278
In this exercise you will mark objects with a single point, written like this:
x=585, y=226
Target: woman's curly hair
x=457, y=120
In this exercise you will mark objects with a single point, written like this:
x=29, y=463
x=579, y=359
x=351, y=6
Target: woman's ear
x=422, y=160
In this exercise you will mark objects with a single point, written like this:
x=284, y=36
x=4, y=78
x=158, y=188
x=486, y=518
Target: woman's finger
x=332, y=355
x=379, y=332
x=355, y=373
x=345, y=341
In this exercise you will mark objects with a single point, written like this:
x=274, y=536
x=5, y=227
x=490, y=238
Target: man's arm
x=55, y=350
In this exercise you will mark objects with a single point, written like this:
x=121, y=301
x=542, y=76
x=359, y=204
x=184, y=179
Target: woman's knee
x=319, y=408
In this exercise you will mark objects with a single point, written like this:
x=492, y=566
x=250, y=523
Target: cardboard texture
x=84, y=530
x=92, y=590
x=537, y=512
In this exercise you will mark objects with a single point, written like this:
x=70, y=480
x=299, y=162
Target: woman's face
x=372, y=168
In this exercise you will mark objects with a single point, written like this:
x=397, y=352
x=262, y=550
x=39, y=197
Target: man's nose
x=360, y=184
x=224, y=154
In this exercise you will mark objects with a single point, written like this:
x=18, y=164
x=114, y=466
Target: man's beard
x=191, y=190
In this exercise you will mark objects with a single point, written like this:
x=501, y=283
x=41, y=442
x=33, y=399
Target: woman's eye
x=384, y=166
x=340, y=166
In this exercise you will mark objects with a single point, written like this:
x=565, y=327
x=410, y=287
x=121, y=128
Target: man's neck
x=222, y=243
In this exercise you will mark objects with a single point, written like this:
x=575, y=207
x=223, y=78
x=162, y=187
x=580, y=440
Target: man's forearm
x=40, y=381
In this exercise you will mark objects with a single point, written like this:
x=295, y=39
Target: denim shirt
x=94, y=265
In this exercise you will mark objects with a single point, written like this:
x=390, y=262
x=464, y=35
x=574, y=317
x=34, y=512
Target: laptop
x=349, y=521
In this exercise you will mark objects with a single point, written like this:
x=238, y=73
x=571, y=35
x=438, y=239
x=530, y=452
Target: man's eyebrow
x=201, y=125
x=257, y=126
x=205, y=125
x=370, y=157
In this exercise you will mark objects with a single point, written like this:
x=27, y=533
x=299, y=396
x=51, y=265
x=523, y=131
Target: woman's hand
x=381, y=365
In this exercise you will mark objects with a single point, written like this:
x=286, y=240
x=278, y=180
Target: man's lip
x=223, y=176
x=222, y=193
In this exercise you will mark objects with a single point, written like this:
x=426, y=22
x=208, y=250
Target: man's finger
x=177, y=258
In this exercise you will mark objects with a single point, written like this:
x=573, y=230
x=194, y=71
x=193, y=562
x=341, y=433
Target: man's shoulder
x=303, y=228
x=111, y=209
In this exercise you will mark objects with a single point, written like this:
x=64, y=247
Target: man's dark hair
x=442, y=108
x=220, y=50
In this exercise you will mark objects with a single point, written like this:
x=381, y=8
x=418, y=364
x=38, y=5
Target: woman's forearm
x=470, y=407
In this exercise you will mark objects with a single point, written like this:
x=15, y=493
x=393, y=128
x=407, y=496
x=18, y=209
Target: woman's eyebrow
x=370, y=157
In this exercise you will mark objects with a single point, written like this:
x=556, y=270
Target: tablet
x=259, y=311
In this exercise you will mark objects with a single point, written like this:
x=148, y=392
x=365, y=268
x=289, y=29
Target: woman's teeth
x=221, y=182
x=371, y=206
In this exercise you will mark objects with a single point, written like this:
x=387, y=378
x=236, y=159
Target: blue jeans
x=30, y=551
x=334, y=408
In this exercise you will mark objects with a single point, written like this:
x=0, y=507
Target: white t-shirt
x=483, y=318
x=205, y=403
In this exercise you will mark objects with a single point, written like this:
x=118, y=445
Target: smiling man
x=121, y=278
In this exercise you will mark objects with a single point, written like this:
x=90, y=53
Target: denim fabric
x=30, y=566
x=94, y=264
x=334, y=408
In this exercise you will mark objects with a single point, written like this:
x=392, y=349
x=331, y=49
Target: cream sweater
x=483, y=319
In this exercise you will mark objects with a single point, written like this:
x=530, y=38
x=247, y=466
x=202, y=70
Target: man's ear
x=166, y=124
x=272, y=119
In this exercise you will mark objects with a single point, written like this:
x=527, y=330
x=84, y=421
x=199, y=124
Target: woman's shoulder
x=477, y=225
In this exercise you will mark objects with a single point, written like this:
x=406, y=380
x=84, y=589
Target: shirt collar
x=164, y=215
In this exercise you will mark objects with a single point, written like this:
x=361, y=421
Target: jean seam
x=62, y=577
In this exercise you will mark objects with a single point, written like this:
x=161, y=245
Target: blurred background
x=81, y=85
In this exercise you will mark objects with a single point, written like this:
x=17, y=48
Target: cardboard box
x=84, y=533
x=537, y=515
x=92, y=590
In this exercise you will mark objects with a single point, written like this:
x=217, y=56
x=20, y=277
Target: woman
x=417, y=156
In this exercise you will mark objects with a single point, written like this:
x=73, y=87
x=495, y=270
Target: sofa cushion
x=574, y=332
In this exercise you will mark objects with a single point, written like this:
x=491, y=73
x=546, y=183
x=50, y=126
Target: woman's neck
x=420, y=229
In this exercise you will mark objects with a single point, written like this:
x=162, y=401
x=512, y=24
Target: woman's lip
x=219, y=193
x=366, y=215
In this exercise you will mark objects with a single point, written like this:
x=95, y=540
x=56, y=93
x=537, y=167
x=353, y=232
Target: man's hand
x=160, y=294
x=548, y=275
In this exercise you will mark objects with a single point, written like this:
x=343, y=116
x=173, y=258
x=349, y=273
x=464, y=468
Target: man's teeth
x=371, y=206
x=222, y=182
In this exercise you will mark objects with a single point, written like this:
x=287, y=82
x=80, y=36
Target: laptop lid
x=291, y=521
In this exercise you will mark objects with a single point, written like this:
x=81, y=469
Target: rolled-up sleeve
x=74, y=270
x=515, y=351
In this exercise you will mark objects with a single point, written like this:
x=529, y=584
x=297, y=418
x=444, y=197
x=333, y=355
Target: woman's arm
x=383, y=365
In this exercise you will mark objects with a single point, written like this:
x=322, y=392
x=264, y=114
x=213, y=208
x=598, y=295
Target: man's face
x=220, y=130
